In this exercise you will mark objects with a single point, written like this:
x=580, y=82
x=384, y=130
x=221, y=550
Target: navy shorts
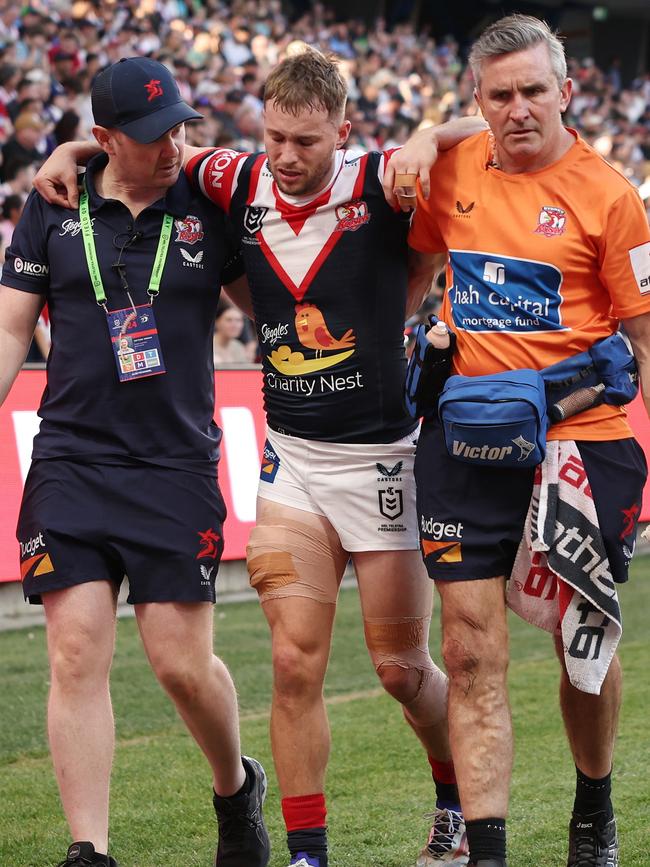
x=471, y=519
x=161, y=528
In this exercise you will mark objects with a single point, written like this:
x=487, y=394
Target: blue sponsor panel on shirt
x=490, y=292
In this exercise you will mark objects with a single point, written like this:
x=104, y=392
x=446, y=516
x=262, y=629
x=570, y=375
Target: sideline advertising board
x=240, y=415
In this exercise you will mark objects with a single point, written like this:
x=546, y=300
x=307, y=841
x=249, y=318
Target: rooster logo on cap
x=153, y=89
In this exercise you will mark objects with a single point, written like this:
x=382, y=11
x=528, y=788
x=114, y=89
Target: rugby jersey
x=328, y=278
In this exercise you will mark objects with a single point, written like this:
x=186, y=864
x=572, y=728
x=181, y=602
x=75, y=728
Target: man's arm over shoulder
x=57, y=179
x=214, y=172
x=417, y=157
x=19, y=313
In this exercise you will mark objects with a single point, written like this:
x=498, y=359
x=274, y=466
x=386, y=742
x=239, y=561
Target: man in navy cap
x=123, y=473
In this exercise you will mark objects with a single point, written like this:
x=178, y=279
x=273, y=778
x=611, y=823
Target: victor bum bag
x=501, y=419
x=496, y=420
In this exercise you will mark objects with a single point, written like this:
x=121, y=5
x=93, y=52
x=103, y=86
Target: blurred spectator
x=26, y=144
x=18, y=178
x=228, y=327
x=12, y=208
x=221, y=52
x=66, y=129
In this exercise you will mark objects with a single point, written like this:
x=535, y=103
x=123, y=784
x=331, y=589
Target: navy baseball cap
x=140, y=97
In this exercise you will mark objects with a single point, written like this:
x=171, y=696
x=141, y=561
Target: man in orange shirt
x=549, y=251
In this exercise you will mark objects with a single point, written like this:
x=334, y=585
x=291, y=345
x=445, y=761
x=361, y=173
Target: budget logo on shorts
x=391, y=503
x=34, y=558
x=445, y=552
x=270, y=463
x=445, y=542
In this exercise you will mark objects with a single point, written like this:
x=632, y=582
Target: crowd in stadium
x=221, y=54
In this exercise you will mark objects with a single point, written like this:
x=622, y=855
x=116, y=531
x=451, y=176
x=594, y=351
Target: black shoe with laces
x=83, y=855
x=243, y=838
x=593, y=841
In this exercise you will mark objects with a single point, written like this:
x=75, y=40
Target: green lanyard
x=91, y=253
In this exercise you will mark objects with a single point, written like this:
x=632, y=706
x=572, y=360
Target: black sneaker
x=488, y=862
x=243, y=838
x=593, y=841
x=84, y=855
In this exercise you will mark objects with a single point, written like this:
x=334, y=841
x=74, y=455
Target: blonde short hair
x=310, y=80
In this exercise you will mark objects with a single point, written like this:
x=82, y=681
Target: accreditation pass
x=136, y=342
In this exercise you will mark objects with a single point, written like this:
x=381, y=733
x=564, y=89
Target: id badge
x=135, y=341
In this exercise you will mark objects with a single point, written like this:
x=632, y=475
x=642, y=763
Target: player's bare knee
x=75, y=659
x=181, y=683
x=296, y=671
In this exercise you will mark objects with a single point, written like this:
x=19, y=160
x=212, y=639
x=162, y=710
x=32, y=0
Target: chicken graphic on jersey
x=313, y=332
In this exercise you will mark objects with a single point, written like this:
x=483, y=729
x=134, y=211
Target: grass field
x=378, y=785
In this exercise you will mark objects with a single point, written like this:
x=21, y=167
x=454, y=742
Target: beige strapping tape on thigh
x=279, y=555
x=403, y=641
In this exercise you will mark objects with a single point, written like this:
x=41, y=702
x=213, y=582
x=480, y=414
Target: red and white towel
x=561, y=579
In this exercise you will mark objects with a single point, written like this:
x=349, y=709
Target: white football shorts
x=365, y=490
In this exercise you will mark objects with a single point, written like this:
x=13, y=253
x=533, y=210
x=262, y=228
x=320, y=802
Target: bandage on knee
x=295, y=559
x=404, y=642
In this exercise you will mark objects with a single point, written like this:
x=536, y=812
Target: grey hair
x=517, y=33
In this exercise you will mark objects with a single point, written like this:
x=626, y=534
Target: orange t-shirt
x=541, y=264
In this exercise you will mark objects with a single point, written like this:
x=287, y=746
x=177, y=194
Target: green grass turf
x=378, y=786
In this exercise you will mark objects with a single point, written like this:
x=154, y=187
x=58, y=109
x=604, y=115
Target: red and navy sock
x=444, y=778
x=305, y=817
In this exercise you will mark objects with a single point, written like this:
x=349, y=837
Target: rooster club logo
x=153, y=89
x=629, y=520
x=189, y=230
x=551, y=222
x=253, y=218
x=209, y=544
x=352, y=216
x=391, y=503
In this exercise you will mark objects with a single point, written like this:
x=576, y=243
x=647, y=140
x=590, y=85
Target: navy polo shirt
x=87, y=414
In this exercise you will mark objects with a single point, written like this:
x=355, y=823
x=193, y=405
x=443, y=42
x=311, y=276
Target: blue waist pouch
x=497, y=420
